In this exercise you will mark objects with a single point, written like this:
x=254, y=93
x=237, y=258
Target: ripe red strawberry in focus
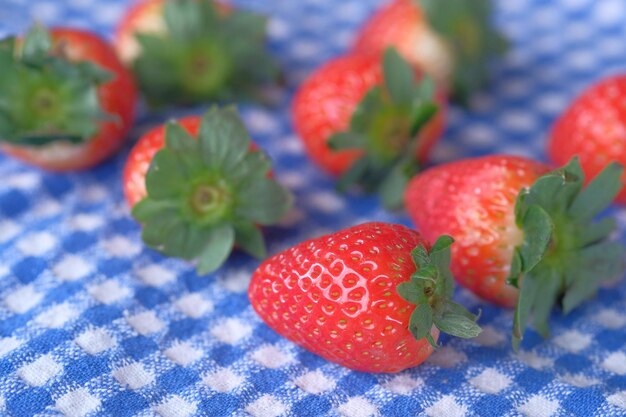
x=371, y=297
x=518, y=225
x=363, y=118
x=67, y=102
x=200, y=187
x=473, y=200
x=593, y=128
x=450, y=40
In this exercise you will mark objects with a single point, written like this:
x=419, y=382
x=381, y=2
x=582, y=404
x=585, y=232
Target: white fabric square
x=134, y=376
x=618, y=399
x=175, y=406
x=8, y=230
x=23, y=299
x=145, y=323
x=538, y=406
x=40, y=371
x=490, y=381
x=535, y=361
x=8, y=344
x=266, y=406
x=357, y=407
x=55, y=317
x=121, y=247
x=86, y=222
x=314, y=382
x=447, y=357
x=36, y=244
x=579, y=380
x=109, y=292
x=23, y=180
x=616, y=363
x=155, y=275
x=403, y=384
x=94, y=341
x=231, y=331
x=611, y=319
x=236, y=280
x=183, y=353
x=573, y=341
x=77, y=403
x=489, y=337
x=193, y=305
x=271, y=357
x=446, y=406
x=72, y=268
x=223, y=380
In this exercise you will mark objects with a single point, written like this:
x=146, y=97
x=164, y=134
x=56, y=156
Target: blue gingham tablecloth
x=94, y=323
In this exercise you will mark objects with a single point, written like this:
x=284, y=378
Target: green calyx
x=385, y=126
x=565, y=255
x=205, y=55
x=430, y=289
x=209, y=194
x=43, y=96
x=466, y=26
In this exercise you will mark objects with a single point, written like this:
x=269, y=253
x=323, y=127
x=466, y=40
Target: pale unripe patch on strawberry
x=433, y=54
x=150, y=21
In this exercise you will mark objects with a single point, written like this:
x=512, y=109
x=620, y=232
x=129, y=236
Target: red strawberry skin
x=326, y=101
x=402, y=24
x=336, y=296
x=473, y=201
x=117, y=97
x=594, y=128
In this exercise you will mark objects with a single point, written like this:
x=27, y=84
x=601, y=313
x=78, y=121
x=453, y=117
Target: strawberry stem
x=564, y=256
x=431, y=288
x=43, y=96
x=386, y=125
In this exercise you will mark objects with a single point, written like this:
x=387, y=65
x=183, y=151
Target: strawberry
x=200, y=187
x=594, y=129
x=66, y=101
x=369, y=121
x=524, y=234
x=372, y=297
x=451, y=40
x=189, y=51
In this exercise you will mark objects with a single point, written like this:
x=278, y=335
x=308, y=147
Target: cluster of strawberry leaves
x=45, y=97
x=207, y=54
x=385, y=125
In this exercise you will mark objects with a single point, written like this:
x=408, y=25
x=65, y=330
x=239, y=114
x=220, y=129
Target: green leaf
x=165, y=179
x=148, y=207
x=588, y=268
x=392, y=188
x=443, y=243
x=596, y=232
x=346, y=140
x=515, y=270
x=263, y=201
x=410, y=292
x=538, y=228
x=467, y=29
x=255, y=164
x=399, y=77
x=224, y=140
x=450, y=307
x=422, y=114
x=219, y=245
x=458, y=325
x=598, y=194
x=549, y=280
x=353, y=174
x=36, y=45
x=425, y=90
x=421, y=321
x=178, y=139
x=528, y=293
x=249, y=238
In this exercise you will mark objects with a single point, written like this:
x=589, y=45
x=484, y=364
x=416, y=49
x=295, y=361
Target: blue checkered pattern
x=94, y=323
